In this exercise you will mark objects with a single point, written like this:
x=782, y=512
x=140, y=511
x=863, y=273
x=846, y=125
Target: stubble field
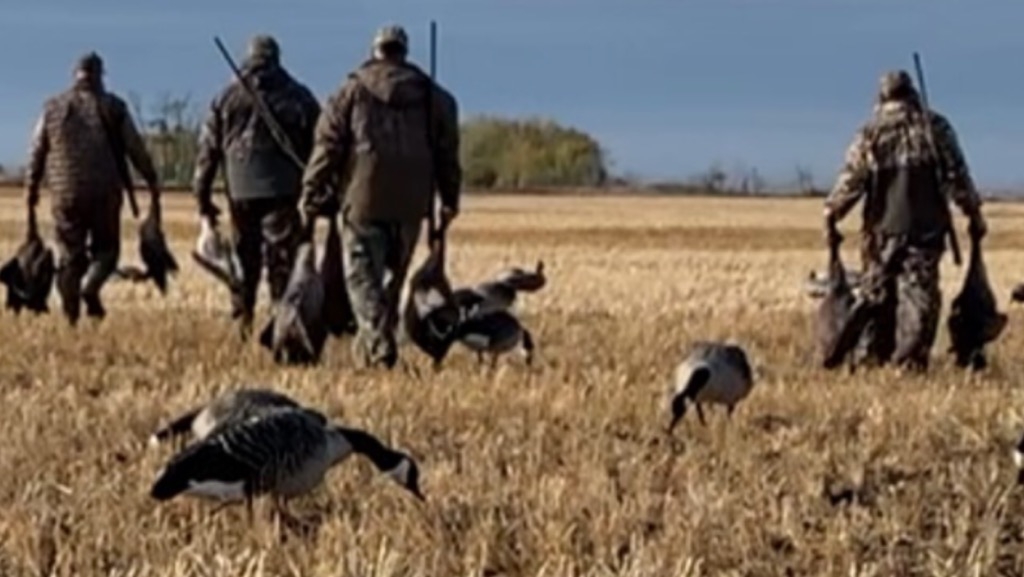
x=562, y=469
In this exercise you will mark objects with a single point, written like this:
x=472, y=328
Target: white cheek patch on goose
x=400, y=473
x=217, y=490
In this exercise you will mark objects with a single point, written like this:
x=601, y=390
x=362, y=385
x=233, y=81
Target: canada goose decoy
x=296, y=331
x=712, y=372
x=284, y=454
x=500, y=293
x=232, y=407
x=29, y=274
x=430, y=316
x=494, y=334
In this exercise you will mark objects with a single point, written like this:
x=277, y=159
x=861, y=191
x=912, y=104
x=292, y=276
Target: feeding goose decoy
x=284, y=454
x=712, y=372
x=494, y=334
x=232, y=407
x=29, y=274
x=296, y=331
x=430, y=316
x=974, y=320
x=216, y=255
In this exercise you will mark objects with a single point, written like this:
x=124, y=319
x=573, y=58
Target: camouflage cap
x=391, y=34
x=264, y=47
x=895, y=84
x=90, y=63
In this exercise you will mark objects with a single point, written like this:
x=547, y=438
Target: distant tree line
x=497, y=154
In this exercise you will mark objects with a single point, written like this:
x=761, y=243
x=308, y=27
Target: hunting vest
x=906, y=196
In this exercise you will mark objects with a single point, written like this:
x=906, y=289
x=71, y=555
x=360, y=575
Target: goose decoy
x=29, y=274
x=974, y=320
x=499, y=294
x=232, y=407
x=712, y=372
x=296, y=331
x=284, y=454
x=495, y=333
x=430, y=316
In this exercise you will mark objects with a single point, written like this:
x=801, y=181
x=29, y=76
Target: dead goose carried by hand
x=712, y=372
x=232, y=407
x=974, y=320
x=157, y=259
x=834, y=310
x=29, y=274
x=430, y=316
x=296, y=331
x=285, y=454
x=216, y=255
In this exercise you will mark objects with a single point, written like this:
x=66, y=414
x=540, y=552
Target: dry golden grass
x=560, y=470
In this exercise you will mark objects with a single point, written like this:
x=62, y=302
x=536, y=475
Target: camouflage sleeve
x=963, y=192
x=447, y=168
x=331, y=141
x=311, y=113
x=38, y=150
x=852, y=182
x=208, y=156
x=135, y=147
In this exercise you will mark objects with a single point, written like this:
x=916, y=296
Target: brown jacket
x=905, y=185
x=373, y=139
x=70, y=146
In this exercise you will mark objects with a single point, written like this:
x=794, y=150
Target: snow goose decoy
x=231, y=407
x=284, y=454
x=495, y=333
x=712, y=372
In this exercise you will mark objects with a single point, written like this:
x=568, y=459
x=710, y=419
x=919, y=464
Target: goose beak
x=419, y=495
x=678, y=410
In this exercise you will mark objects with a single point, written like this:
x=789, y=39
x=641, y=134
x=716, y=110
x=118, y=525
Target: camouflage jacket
x=890, y=162
x=235, y=135
x=373, y=140
x=71, y=147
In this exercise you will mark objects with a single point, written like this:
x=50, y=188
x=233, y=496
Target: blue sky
x=668, y=86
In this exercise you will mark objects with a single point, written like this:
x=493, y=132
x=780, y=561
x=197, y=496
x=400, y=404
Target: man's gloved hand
x=977, y=228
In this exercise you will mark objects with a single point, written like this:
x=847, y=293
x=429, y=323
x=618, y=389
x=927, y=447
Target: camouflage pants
x=266, y=231
x=902, y=285
x=87, y=232
x=376, y=258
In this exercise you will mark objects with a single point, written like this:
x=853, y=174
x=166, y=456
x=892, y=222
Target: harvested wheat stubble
x=562, y=470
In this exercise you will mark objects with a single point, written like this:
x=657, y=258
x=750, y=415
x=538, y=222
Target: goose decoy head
x=698, y=378
x=522, y=280
x=407, y=474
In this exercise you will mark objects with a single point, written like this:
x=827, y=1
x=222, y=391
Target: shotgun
x=432, y=228
x=954, y=245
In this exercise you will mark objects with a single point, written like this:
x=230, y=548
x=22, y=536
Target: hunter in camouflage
x=903, y=177
x=263, y=182
x=388, y=137
x=71, y=145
